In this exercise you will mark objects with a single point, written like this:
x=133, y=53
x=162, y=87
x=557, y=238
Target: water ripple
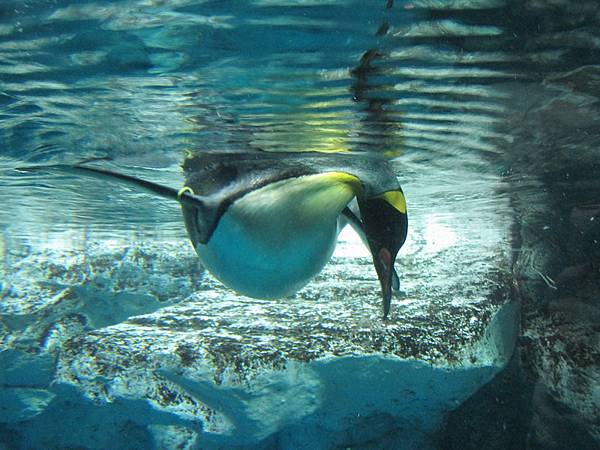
x=424, y=81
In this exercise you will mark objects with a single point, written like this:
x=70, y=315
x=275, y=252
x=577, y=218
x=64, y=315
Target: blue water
x=143, y=83
x=487, y=110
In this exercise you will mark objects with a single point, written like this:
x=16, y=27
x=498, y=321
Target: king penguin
x=265, y=224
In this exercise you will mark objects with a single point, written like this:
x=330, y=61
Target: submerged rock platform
x=133, y=346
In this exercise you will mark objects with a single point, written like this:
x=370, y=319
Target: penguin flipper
x=395, y=281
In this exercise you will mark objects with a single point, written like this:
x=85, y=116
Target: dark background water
x=488, y=110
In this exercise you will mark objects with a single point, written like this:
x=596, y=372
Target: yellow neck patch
x=342, y=177
x=396, y=199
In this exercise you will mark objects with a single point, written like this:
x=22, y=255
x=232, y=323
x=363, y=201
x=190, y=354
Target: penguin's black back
x=235, y=174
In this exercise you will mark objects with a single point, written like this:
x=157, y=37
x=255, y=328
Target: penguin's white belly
x=266, y=265
x=273, y=241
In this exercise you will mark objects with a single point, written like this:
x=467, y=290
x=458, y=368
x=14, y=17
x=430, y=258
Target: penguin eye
x=396, y=199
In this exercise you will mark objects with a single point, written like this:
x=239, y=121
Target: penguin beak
x=384, y=268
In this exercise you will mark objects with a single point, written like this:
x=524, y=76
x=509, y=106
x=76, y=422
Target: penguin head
x=386, y=224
